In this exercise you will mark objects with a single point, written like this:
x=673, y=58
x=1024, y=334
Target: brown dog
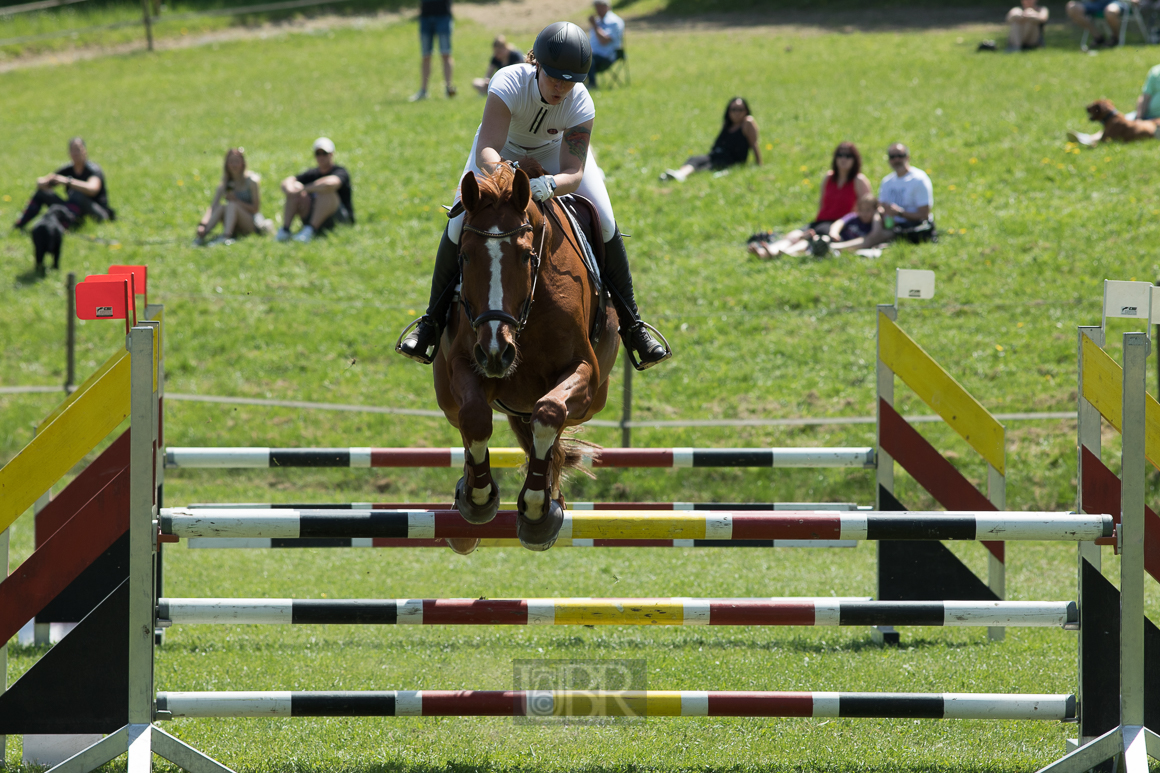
x=1116, y=126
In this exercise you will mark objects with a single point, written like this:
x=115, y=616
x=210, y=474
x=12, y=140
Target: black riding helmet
x=562, y=49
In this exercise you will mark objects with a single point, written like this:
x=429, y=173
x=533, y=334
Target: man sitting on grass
x=907, y=198
x=1025, y=26
x=84, y=184
x=319, y=196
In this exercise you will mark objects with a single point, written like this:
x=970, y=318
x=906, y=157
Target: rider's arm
x=573, y=155
x=493, y=133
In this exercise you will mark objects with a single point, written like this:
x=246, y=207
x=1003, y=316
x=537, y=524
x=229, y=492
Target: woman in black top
x=738, y=136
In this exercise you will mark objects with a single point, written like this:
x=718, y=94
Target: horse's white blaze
x=478, y=451
x=495, y=287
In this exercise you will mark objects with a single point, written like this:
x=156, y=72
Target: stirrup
x=636, y=363
x=423, y=358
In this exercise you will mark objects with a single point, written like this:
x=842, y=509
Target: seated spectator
x=606, y=34
x=737, y=137
x=319, y=196
x=503, y=54
x=907, y=198
x=1085, y=13
x=1025, y=26
x=843, y=187
x=235, y=204
x=84, y=183
x=861, y=229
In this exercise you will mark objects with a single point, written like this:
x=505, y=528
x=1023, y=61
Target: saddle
x=584, y=221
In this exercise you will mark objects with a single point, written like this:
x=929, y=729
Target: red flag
x=106, y=297
x=140, y=275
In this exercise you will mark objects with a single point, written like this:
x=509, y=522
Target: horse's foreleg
x=476, y=494
x=540, y=516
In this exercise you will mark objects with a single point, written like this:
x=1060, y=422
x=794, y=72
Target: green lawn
x=1036, y=228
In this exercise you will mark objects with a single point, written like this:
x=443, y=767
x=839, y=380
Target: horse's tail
x=568, y=453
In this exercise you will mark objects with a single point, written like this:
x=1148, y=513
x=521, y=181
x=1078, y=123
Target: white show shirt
x=535, y=123
x=613, y=26
x=910, y=191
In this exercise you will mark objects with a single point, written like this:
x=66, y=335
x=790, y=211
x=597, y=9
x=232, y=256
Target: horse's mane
x=498, y=184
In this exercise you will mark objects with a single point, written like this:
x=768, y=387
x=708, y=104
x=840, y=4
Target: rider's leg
x=423, y=338
x=617, y=274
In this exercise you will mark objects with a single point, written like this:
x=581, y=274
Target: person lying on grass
x=319, y=196
x=737, y=137
x=861, y=229
x=235, y=204
x=84, y=184
x=842, y=187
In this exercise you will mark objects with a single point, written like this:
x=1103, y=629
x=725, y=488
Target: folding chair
x=1131, y=12
x=618, y=72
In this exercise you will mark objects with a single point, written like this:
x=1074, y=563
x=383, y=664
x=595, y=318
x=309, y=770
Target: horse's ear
x=521, y=190
x=469, y=191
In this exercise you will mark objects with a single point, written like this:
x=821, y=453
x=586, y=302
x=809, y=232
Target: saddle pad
x=581, y=212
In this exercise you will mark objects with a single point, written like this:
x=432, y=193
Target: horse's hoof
x=471, y=512
x=463, y=545
x=541, y=534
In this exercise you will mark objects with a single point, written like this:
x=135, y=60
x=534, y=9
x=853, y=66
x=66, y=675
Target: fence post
x=626, y=409
x=71, y=337
x=146, y=12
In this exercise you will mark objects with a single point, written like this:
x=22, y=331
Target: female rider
x=542, y=110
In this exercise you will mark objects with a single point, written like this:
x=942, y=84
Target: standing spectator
x=842, y=188
x=319, y=196
x=737, y=137
x=503, y=54
x=1086, y=12
x=84, y=183
x=435, y=19
x=236, y=204
x=606, y=35
x=1026, y=26
x=907, y=198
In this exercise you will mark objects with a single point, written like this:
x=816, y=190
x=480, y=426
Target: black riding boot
x=420, y=343
x=644, y=350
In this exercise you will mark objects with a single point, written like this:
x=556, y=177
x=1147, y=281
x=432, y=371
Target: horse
x=520, y=342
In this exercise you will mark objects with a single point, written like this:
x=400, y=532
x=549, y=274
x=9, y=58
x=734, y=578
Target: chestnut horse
x=519, y=343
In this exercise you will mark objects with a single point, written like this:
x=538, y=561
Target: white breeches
x=591, y=186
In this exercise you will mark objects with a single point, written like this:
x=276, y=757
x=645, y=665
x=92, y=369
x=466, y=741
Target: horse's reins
x=499, y=315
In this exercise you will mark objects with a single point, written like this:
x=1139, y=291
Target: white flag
x=1131, y=300
x=914, y=283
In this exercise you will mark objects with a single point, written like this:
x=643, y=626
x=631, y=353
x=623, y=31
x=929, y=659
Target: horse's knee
x=475, y=421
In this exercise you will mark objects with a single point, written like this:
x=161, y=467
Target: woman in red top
x=843, y=186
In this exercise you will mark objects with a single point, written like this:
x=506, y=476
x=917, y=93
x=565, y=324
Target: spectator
x=319, y=196
x=236, y=203
x=738, y=136
x=435, y=19
x=1085, y=13
x=1147, y=104
x=606, y=35
x=861, y=229
x=843, y=186
x=907, y=198
x=1025, y=25
x=84, y=182
x=503, y=54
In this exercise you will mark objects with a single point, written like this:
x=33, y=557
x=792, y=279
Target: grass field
x=1032, y=228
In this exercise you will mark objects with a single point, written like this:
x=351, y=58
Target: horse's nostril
x=480, y=356
x=507, y=356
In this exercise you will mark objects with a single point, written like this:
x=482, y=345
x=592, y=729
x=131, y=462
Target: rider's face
x=554, y=90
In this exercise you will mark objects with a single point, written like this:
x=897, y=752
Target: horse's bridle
x=499, y=315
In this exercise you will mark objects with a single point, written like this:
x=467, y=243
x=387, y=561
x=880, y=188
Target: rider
x=541, y=109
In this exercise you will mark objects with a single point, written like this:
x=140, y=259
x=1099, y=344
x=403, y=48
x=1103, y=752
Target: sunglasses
x=893, y=156
x=321, y=152
x=843, y=155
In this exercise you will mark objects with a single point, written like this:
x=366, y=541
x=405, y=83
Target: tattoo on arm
x=577, y=140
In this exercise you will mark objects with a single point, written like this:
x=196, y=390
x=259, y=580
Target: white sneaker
x=305, y=235
x=420, y=94
x=283, y=235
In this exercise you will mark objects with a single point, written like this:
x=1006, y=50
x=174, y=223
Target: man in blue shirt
x=606, y=34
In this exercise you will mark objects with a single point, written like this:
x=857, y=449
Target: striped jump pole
x=663, y=611
x=704, y=525
x=515, y=457
x=600, y=703
x=840, y=506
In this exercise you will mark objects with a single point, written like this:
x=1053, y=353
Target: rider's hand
x=543, y=188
